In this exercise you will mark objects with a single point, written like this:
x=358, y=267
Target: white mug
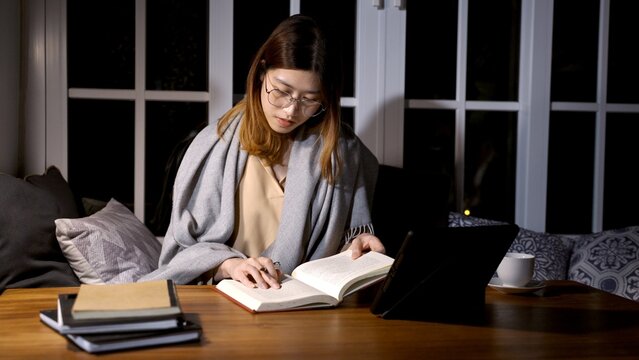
x=516, y=269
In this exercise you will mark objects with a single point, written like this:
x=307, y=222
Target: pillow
x=608, y=260
x=92, y=206
x=53, y=182
x=110, y=246
x=552, y=252
x=459, y=220
x=30, y=254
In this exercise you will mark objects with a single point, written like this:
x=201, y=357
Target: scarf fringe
x=352, y=233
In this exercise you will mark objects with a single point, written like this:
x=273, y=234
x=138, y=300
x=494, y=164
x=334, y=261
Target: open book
x=314, y=284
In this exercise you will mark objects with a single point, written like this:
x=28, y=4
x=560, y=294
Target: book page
x=333, y=275
x=293, y=294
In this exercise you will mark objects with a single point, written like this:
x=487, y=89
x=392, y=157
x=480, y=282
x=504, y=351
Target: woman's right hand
x=252, y=272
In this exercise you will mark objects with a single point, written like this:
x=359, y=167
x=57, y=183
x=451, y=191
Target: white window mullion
x=369, y=77
x=56, y=149
x=220, y=58
x=35, y=114
x=140, y=114
x=460, y=97
x=169, y=95
x=395, y=75
x=379, y=80
x=600, y=127
x=534, y=116
x=295, y=7
x=103, y=94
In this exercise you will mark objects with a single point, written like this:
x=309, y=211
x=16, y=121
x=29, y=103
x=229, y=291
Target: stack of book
x=102, y=318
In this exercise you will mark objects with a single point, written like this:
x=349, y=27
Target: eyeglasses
x=282, y=100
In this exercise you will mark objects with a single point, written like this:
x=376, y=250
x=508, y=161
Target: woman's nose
x=293, y=107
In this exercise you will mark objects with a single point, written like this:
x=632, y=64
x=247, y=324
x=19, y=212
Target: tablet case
x=441, y=274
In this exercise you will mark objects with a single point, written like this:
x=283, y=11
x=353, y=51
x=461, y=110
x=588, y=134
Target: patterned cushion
x=552, y=252
x=608, y=260
x=110, y=246
x=459, y=220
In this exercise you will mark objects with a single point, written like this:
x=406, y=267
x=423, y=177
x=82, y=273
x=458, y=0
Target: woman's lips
x=285, y=123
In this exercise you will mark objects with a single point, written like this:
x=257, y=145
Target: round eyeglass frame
x=275, y=95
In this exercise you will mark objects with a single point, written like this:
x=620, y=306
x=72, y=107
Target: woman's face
x=303, y=86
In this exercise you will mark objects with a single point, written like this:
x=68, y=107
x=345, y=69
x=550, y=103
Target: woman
x=277, y=180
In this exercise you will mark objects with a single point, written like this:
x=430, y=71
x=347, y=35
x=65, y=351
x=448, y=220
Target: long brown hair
x=297, y=43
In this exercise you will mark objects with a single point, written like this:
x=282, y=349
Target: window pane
x=574, y=50
x=101, y=150
x=493, y=50
x=623, y=57
x=348, y=116
x=429, y=144
x=621, y=194
x=570, y=172
x=341, y=26
x=490, y=165
x=177, y=45
x=431, y=29
x=169, y=128
x=101, y=44
x=253, y=22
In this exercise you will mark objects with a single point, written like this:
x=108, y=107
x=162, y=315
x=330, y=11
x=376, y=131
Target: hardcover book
x=151, y=298
x=67, y=324
x=188, y=331
x=314, y=284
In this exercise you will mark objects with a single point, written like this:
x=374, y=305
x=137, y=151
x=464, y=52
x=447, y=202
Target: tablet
x=441, y=274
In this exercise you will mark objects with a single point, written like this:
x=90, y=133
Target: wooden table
x=570, y=320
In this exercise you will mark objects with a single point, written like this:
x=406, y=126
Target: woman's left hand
x=364, y=243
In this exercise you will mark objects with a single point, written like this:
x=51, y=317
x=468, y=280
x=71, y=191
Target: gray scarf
x=317, y=218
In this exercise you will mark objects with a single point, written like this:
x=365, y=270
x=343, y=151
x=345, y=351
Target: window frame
x=378, y=78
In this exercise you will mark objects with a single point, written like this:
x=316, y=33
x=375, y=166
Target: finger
x=379, y=247
x=371, y=243
x=375, y=244
x=356, y=248
x=247, y=281
x=269, y=270
x=273, y=281
x=271, y=273
x=252, y=270
x=258, y=277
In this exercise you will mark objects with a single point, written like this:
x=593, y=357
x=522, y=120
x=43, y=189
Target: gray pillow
x=53, y=182
x=110, y=246
x=608, y=260
x=30, y=255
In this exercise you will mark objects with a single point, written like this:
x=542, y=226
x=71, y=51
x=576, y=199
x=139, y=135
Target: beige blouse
x=260, y=197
